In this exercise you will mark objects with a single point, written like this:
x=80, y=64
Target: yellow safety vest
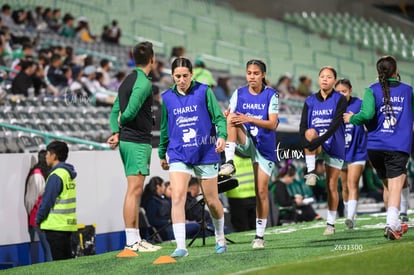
x=245, y=176
x=62, y=216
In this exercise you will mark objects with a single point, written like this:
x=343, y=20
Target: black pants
x=243, y=214
x=60, y=244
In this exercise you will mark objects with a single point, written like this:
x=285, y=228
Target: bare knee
x=311, y=134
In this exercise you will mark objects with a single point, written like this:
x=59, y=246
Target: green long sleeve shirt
x=367, y=111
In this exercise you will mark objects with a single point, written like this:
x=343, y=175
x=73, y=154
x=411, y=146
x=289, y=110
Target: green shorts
x=204, y=171
x=136, y=157
x=250, y=150
x=330, y=161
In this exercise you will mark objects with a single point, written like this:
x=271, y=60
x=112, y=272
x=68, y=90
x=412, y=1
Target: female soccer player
x=252, y=119
x=322, y=132
x=387, y=110
x=355, y=154
x=190, y=115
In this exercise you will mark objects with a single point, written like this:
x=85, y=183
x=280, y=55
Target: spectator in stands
x=301, y=210
x=25, y=52
x=104, y=68
x=68, y=29
x=55, y=74
x=57, y=211
x=322, y=134
x=48, y=17
x=115, y=32
x=83, y=32
x=284, y=86
x=6, y=18
x=176, y=51
x=305, y=85
x=202, y=74
x=24, y=79
x=76, y=86
x=115, y=83
x=19, y=17
x=158, y=74
x=35, y=187
x=39, y=82
x=89, y=80
x=242, y=199
x=134, y=136
x=37, y=17
x=222, y=91
x=56, y=21
x=105, y=35
x=201, y=159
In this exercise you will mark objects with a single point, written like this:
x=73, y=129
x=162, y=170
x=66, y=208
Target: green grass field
x=290, y=249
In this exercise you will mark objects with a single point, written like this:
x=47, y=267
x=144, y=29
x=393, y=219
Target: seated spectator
x=19, y=18
x=115, y=32
x=68, y=29
x=177, y=51
x=202, y=74
x=115, y=83
x=284, y=86
x=194, y=210
x=76, y=86
x=24, y=81
x=55, y=75
x=25, y=52
x=222, y=92
x=6, y=17
x=158, y=207
x=104, y=68
x=55, y=24
x=83, y=32
x=300, y=210
x=105, y=35
x=305, y=85
x=157, y=73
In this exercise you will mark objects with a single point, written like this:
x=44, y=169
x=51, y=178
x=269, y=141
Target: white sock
x=179, y=234
x=229, y=150
x=131, y=236
x=392, y=218
x=352, y=205
x=405, y=193
x=219, y=228
x=346, y=209
x=310, y=162
x=260, y=227
x=139, y=235
x=331, y=217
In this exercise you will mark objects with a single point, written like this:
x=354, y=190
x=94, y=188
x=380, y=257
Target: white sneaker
x=142, y=246
x=311, y=179
x=227, y=169
x=329, y=230
x=258, y=244
x=145, y=246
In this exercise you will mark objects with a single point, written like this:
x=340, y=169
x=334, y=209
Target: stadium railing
x=49, y=136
